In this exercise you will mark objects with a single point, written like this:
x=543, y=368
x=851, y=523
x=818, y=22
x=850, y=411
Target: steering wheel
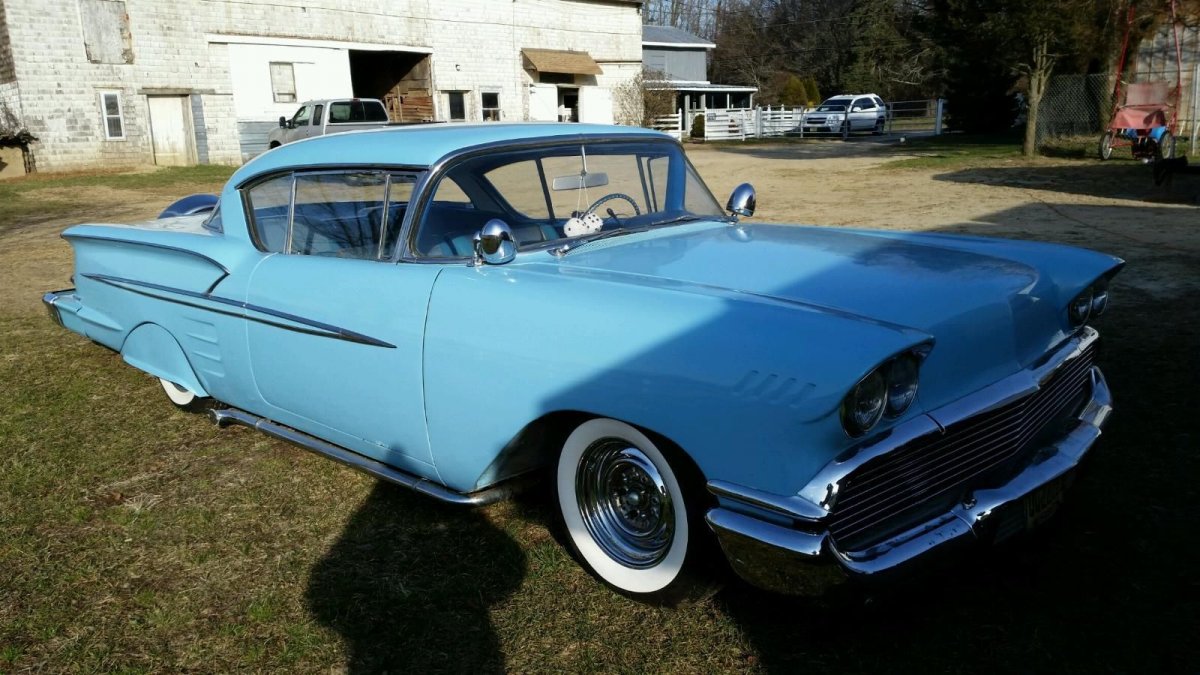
x=614, y=195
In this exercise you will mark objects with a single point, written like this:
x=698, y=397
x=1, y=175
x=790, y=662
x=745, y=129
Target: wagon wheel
x=1165, y=147
x=1106, y=145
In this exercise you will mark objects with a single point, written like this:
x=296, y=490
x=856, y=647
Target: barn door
x=171, y=130
x=543, y=103
x=595, y=105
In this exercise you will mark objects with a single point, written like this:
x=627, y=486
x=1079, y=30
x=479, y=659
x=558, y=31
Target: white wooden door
x=595, y=105
x=170, y=130
x=543, y=103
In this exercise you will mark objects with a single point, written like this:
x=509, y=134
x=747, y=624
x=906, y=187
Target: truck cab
x=329, y=116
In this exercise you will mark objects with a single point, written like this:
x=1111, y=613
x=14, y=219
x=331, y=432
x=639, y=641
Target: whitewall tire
x=183, y=398
x=623, y=507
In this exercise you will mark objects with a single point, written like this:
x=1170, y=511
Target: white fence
x=724, y=124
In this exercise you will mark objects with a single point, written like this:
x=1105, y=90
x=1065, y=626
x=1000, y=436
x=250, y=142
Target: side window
x=339, y=214
x=449, y=222
x=316, y=116
x=300, y=119
x=269, y=203
x=346, y=214
x=865, y=104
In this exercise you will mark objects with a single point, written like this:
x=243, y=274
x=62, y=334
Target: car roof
x=419, y=145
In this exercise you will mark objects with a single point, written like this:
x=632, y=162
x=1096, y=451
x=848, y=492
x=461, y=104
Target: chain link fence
x=1076, y=109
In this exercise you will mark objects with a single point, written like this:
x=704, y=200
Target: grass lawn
x=137, y=539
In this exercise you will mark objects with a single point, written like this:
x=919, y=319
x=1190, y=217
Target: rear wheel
x=623, y=506
x=1165, y=147
x=184, y=399
x=878, y=128
x=1106, y=145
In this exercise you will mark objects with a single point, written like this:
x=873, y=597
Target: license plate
x=1043, y=502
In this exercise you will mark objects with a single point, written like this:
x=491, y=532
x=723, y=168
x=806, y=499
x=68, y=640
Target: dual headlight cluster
x=1089, y=304
x=886, y=391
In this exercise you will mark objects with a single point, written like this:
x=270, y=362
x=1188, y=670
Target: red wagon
x=1145, y=120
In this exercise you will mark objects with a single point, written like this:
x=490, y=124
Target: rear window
x=352, y=112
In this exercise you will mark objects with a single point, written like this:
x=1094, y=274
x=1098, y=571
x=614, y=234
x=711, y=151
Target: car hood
x=992, y=306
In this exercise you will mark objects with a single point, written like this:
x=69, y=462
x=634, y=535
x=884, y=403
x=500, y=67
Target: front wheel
x=623, y=507
x=184, y=399
x=1106, y=145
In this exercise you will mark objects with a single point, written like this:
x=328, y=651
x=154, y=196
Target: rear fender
x=151, y=349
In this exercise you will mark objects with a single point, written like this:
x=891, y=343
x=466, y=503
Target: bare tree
x=644, y=98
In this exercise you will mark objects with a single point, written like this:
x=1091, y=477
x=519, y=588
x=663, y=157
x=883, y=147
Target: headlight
x=902, y=379
x=864, y=405
x=888, y=390
x=1099, y=300
x=1081, y=308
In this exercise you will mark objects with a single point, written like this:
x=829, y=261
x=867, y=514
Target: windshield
x=561, y=193
x=834, y=105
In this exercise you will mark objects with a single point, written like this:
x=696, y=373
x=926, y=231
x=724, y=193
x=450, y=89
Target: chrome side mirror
x=741, y=202
x=495, y=244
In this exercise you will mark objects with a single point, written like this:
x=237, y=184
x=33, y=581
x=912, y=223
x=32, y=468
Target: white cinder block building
x=123, y=82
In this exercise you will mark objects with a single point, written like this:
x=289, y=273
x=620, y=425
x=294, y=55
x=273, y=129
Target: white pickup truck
x=329, y=116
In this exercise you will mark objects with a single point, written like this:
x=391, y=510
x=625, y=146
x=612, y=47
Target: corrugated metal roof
x=670, y=35
x=561, y=61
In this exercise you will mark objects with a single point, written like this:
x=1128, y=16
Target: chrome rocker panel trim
x=226, y=416
x=779, y=557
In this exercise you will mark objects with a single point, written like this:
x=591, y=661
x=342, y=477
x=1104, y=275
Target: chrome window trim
x=447, y=162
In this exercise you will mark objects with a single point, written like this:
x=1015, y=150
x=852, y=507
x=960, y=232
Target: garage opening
x=399, y=79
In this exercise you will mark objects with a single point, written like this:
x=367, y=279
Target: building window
x=491, y=106
x=458, y=105
x=283, y=82
x=113, y=115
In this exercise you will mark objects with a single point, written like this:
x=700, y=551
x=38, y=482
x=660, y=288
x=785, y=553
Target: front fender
x=748, y=387
x=151, y=349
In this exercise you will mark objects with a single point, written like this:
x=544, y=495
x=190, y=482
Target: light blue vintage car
x=464, y=309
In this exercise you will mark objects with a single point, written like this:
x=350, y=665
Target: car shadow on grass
x=409, y=583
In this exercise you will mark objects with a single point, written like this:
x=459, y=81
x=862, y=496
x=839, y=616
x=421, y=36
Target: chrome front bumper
x=772, y=541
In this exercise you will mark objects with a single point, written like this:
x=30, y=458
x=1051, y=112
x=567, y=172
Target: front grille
x=902, y=488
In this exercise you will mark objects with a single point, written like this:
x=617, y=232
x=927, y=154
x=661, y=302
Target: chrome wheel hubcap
x=625, y=503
